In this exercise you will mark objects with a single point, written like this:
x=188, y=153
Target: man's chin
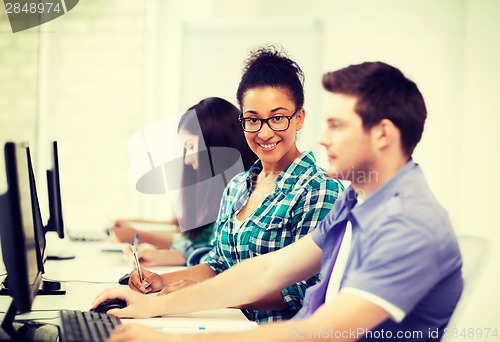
x=336, y=173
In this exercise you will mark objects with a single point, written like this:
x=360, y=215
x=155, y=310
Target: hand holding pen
x=152, y=282
x=136, y=259
x=147, y=282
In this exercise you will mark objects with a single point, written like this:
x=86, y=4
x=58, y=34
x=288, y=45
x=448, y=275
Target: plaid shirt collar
x=288, y=177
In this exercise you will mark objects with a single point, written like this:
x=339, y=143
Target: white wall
x=479, y=166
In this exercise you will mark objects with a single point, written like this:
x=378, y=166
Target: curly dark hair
x=271, y=67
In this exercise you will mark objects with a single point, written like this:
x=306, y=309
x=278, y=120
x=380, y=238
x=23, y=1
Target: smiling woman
x=279, y=200
x=276, y=148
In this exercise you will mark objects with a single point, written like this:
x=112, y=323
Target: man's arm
x=244, y=283
x=346, y=318
x=250, y=280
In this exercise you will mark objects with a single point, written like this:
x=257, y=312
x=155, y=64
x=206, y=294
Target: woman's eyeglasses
x=276, y=123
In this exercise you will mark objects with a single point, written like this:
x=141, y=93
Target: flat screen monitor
x=37, y=216
x=55, y=222
x=49, y=287
x=17, y=235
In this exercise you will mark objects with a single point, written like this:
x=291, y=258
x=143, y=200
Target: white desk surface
x=94, y=270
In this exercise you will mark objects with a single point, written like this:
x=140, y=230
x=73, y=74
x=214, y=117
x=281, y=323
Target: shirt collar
x=288, y=177
x=364, y=213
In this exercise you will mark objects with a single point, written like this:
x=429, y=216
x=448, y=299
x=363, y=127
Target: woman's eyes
x=277, y=118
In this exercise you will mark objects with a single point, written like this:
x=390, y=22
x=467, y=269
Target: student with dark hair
x=279, y=200
x=389, y=259
x=213, y=145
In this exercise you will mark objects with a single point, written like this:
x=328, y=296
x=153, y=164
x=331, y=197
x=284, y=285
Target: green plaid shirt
x=303, y=196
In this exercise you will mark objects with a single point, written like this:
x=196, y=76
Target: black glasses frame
x=289, y=117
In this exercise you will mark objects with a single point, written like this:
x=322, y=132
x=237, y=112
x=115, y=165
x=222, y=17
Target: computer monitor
x=55, y=222
x=48, y=287
x=23, y=165
x=17, y=235
x=40, y=240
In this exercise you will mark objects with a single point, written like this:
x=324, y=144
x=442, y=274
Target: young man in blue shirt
x=389, y=260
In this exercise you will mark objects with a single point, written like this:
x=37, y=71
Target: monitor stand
x=61, y=256
x=47, y=287
x=57, y=249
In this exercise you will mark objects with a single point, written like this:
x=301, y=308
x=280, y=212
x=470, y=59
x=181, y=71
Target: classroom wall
x=106, y=69
x=479, y=143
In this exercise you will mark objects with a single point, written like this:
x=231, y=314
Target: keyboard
x=86, y=325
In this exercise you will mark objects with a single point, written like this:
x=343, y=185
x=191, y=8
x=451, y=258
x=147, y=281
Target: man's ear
x=301, y=118
x=384, y=134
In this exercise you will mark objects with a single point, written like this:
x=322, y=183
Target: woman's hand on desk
x=123, y=231
x=149, y=257
x=176, y=286
x=152, y=282
x=143, y=255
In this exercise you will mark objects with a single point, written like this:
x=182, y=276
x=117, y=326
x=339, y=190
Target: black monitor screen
x=37, y=217
x=19, y=247
x=55, y=222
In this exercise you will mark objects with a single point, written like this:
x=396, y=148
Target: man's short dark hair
x=383, y=92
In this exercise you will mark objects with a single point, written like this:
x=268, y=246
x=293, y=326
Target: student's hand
x=152, y=257
x=176, y=286
x=138, y=305
x=152, y=282
x=123, y=231
x=148, y=257
x=129, y=255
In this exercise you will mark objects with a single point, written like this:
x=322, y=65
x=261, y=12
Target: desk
x=94, y=270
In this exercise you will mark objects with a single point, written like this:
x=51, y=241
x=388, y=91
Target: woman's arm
x=125, y=232
x=196, y=273
x=155, y=257
x=153, y=282
x=272, y=302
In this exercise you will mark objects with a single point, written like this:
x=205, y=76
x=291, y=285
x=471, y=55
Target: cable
x=28, y=320
x=80, y=281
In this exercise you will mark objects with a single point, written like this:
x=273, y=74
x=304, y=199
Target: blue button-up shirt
x=404, y=255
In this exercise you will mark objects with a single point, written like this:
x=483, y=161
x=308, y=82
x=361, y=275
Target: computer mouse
x=110, y=304
x=124, y=280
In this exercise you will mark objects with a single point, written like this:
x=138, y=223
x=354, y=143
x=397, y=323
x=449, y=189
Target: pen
x=136, y=260
x=197, y=328
x=136, y=239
